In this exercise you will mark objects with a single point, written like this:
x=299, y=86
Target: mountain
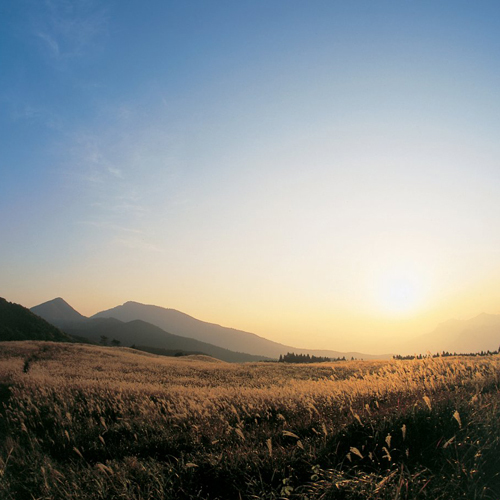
x=19, y=323
x=58, y=312
x=236, y=340
x=146, y=335
x=481, y=333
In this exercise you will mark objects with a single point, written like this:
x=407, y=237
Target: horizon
x=315, y=174
x=393, y=347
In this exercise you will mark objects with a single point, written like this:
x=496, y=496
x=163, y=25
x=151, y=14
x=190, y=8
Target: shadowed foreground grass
x=87, y=422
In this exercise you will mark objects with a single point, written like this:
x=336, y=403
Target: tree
x=115, y=343
x=104, y=340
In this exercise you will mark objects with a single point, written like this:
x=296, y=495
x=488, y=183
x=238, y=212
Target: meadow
x=89, y=422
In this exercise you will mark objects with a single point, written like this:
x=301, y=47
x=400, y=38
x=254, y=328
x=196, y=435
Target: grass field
x=87, y=422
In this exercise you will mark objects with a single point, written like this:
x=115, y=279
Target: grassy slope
x=87, y=422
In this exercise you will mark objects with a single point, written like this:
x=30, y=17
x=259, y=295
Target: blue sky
x=316, y=172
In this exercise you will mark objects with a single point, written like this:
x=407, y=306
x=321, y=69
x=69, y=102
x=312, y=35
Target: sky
x=324, y=174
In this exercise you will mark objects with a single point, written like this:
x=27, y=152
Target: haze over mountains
x=481, y=333
x=236, y=340
x=152, y=326
x=142, y=334
x=205, y=337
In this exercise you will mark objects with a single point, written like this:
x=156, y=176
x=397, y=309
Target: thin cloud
x=138, y=244
x=113, y=227
x=26, y=111
x=51, y=44
x=128, y=237
x=68, y=29
x=116, y=172
x=129, y=207
x=125, y=177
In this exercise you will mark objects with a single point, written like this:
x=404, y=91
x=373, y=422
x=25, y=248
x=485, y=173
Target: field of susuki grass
x=87, y=422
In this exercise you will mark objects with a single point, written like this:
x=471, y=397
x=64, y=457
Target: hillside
x=86, y=422
x=145, y=334
x=19, y=323
x=236, y=340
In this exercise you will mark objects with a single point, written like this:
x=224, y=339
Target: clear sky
x=322, y=173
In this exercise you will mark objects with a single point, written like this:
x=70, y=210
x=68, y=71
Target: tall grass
x=87, y=422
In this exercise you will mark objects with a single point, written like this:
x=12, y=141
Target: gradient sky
x=325, y=174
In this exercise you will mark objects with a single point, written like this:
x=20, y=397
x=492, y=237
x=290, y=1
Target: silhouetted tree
x=104, y=340
x=291, y=357
x=115, y=342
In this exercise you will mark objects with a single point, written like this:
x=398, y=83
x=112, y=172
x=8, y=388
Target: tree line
x=445, y=354
x=291, y=357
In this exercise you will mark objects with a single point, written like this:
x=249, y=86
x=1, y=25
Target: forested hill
x=19, y=323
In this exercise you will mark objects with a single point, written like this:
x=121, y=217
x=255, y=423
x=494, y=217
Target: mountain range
x=168, y=330
x=236, y=340
x=170, y=326
x=135, y=332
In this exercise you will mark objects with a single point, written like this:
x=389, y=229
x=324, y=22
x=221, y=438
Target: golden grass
x=103, y=422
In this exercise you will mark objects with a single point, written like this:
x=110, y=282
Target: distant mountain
x=149, y=336
x=481, y=333
x=236, y=340
x=19, y=323
x=58, y=312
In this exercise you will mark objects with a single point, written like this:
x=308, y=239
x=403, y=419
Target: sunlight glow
x=400, y=292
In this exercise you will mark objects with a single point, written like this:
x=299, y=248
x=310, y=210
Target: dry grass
x=85, y=422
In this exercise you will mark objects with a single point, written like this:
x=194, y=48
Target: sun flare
x=400, y=293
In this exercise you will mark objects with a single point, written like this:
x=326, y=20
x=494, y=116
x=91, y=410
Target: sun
x=400, y=293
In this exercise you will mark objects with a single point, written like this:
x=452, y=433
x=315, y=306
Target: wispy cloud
x=115, y=171
x=138, y=244
x=125, y=176
x=128, y=237
x=21, y=110
x=114, y=227
x=50, y=43
x=68, y=28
